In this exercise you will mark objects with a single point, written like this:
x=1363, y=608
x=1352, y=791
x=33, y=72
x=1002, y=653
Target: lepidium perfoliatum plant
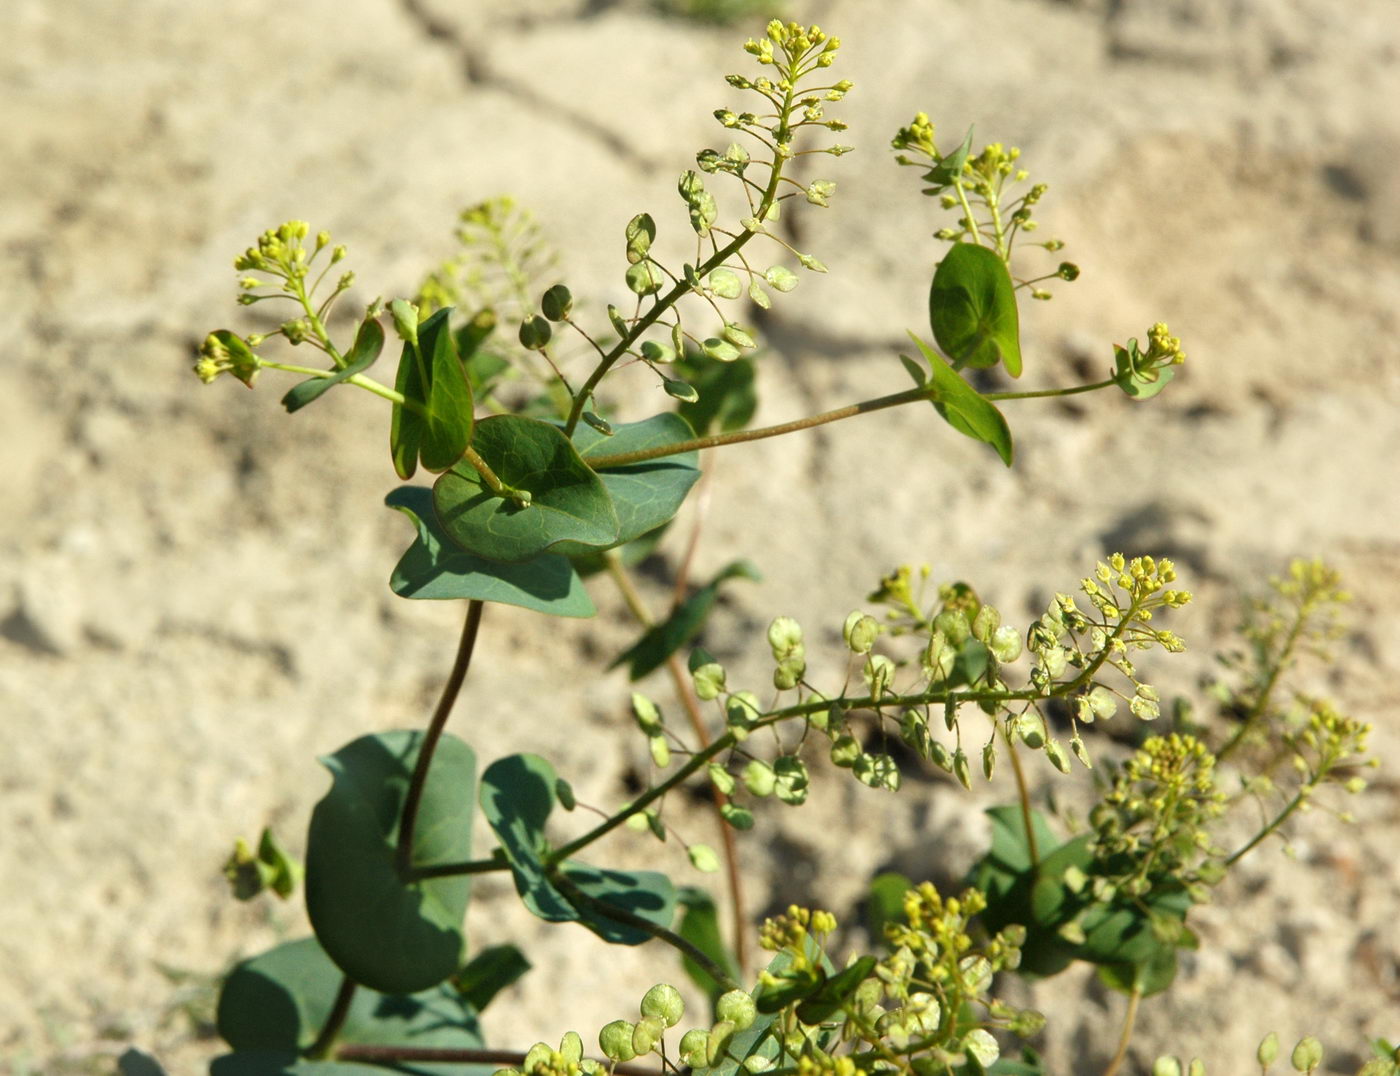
x=501, y=395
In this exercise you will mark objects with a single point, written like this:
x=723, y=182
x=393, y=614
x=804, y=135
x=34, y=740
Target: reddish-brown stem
x=407, y=820
x=726, y=835
x=335, y=1021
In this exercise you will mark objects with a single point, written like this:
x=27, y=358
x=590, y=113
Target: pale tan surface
x=192, y=584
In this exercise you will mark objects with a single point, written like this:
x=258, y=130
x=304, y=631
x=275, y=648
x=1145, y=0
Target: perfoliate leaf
x=568, y=501
x=644, y=495
x=281, y=999
x=972, y=309
x=436, y=568
x=355, y=895
x=450, y=417
x=963, y=407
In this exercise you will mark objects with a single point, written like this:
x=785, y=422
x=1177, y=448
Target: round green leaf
x=281, y=999
x=389, y=935
x=972, y=308
x=569, y=503
x=435, y=567
x=644, y=495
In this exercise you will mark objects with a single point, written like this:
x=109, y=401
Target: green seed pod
x=979, y=1044
x=985, y=623
x=878, y=672
x=1166, y=1066
x=989, y=759
x=739, y=817
x=719, y=350
x=664, y=1002
x=785, y=637
x=680, y=390
x=721, y=778
x=641, y=230
x=1005, y=644
x=954, y=626
x=535, y=333
x=619, y=323
x=1103, y=703
x=961, y=770
x=738, y=1008
x=654, y=352
x=1056, y=754
x=741, y=711
x=860, y=632
x=738, y=336
x=1307, y=1055
x=708, y=680
x=780, y=278
x=759, y=778
x=703, y=858
x=571, y=1047
x=789, y=673
x=694, y=1046
x=557, y=303
x=660, y=751
x=647, y=1034
x=940, y=757
x=647, y=716
x=564, y=793
x=792, y=780
x=644, y=278
x=845, y=751
x=1030, y=727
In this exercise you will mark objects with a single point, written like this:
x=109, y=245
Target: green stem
x=1129, y=1018
x=334, y=1022
x=358, y=380
x=409, y=817
x=1283, y=816
x=1038, y=394
x=493, y=483
x=681, y=288
x=579, y=899
x=1261, y=703
x=967, y=208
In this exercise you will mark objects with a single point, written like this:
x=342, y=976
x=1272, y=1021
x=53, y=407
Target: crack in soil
x=477, y=71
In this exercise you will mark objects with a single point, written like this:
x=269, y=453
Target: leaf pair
x=972, y=310
x=434, y=423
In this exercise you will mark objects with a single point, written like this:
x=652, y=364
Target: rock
x=47, y=614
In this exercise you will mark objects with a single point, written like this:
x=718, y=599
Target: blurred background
x=193, y=599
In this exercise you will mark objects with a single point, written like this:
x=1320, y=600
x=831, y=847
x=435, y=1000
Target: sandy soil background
x=192, y=586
